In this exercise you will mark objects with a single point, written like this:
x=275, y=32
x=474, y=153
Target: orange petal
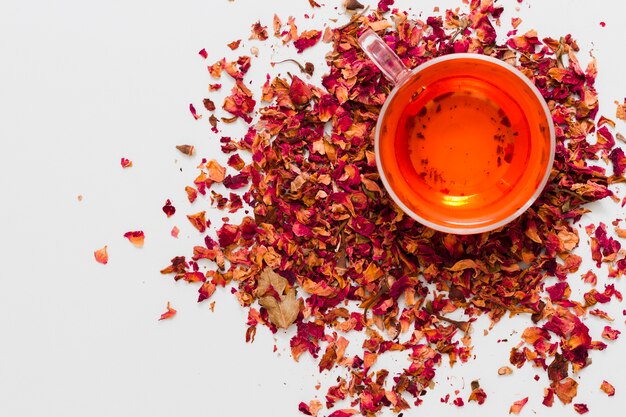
x=101, y=255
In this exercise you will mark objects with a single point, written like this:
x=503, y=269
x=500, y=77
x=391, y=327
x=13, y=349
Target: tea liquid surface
x=462, y=142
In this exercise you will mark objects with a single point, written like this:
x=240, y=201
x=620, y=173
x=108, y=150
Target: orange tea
x=464, y=145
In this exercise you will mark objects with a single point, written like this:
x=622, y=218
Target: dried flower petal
x=135, y=237
x=234, y=44
x=169, y=209
x=610, y=334
x=194, y=113
x=174, y=232
x=216, y=171
x=126, y=163
x=620, y=112
x=607, y=388
x=566, y=390
x=517, y=406
x=101, y=255
x=208, y=104
x=198, y=221
x=258, y=32
x=581, y=408
x=169, y=313
x=307, y=39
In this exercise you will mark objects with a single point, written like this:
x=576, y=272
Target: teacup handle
x=383, y=56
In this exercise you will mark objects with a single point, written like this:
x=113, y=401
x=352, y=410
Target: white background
x=84, y=83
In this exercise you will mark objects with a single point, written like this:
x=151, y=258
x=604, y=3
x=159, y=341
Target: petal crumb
x=169, y=313
x=203, y=53
x=126, y=163
x=101, y=255
x=174, y=232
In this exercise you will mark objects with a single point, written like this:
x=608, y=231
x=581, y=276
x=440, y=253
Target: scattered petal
x=517, y=406
x=169, y=209
x=101, y=255
x=169, y=313
x=135, y=237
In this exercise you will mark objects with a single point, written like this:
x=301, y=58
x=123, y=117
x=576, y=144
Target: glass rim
x=467, y=228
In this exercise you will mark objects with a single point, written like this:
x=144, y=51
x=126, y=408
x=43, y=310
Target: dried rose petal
x=609, y=333
x=194, y=113
x=620, y=112
x=216, y=171
x=126, y=163
x=174, y=232
x=581, y=408
x=203, y=53
x=607, y=388
x=517, y=406
x=566, y=390
x=343, y=413
x=198, y=221
x=234, y=44
x=548, y=398
x=135, y=237
x=169, y=313
x=169, y=209
x=101, y=255
x=307, y=39
x=258, y=32
x=208, y=104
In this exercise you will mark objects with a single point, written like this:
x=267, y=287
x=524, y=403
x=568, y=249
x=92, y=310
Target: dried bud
x=352, y=5
x=186, y=149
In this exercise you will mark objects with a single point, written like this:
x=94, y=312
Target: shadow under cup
x=465, y=144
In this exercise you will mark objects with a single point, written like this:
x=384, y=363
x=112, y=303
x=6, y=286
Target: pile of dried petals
x=328, y=252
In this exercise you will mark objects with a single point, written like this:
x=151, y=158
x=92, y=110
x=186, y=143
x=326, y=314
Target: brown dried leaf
x=282, y=312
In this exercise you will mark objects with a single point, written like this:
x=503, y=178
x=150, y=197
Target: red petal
x=169, y=313
x=136, y=238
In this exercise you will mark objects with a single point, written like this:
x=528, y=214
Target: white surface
x=84, y=83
